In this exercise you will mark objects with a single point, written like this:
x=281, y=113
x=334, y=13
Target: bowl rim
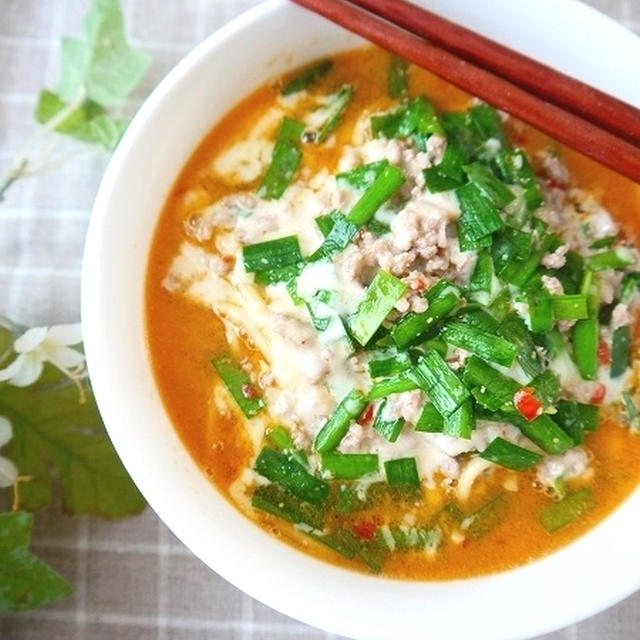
x=331, y=584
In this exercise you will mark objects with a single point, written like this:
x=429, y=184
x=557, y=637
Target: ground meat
x=407, y=405
x=295, y=330
x=620, y=316
x=552, y=285
x=557, y=259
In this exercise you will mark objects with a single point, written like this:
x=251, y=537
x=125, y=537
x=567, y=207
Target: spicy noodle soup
x=395, y=327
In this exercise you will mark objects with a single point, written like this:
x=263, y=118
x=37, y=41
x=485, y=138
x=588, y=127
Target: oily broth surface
x=183, y=336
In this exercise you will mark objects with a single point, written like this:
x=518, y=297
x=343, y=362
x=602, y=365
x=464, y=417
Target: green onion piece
x=363, y=176
x=486, y=122
x=617, y=258
x=412, y=326
x=279, y=274
x=510, y=455
x=547, y=387
x=448, y=173
x=514, y=168
x=280, y=437
x=284, y=160
x=288, y=472
x=338, y=237
x=398, y=80
x=349, y=466
x=572, y=306
x=306, y=77
x=386, y=386
x=402, y=472
x=389, y=365
x=279, y=502
x=381, y=296
x=482, y=275
x=549, y=436
x=272, y=254
x=479, y=217
x=324, y=222
x=468, y=243
x=461, y=422
x=573, y=506
x=417, y=119
x=629, y=286
x=620, y=351
x=540, y=311
x=445, y=389
x=584, y=336
x=334, y=110
x=572, y=274
x=477, y=316
x=576, y=418
x=337, y=425
x=388, y=428
x=592, y=288
x=381, y=189
x=632, y=413
x=514, y=330
x=239, y=386
x=486, y=517
x=510, y=244
x=430, y=421
x=603, y=243
x=491, y=188
x=483, y=344
x=479, y=373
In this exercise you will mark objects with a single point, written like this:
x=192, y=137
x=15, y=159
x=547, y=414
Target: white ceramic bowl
x=581, y=579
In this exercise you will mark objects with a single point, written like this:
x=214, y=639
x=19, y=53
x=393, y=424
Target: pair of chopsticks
x=580, y=116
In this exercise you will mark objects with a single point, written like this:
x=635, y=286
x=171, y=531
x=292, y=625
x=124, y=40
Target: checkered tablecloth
x=133, y=579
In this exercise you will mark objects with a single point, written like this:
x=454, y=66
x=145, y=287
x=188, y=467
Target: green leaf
x=25, y=581
x=88, y=122
x=100, y=61
x=52, y=428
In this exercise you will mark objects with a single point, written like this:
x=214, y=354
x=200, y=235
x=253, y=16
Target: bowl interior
x=274, y=37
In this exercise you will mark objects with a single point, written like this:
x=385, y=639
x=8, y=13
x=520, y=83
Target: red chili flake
x=604, y=352
x=599, y=392
x=367, y=415
x=365, y=529
x=249, y=391
x=526, y=403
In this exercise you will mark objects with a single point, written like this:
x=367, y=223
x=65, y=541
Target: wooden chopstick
x=585, y=101
x=564, y=126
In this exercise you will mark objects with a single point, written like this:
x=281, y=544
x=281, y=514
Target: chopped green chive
x=402, y=472
x=272, y=254
x=379, y=191
x=398, y=80
x=585, y=336
x=306, y=77
x=618, y=258
x=333, y=111
x=483, y=344
x=491, y=188
x=571, y=306
x=444, y=388
x=389, y=365
x=363, y=176
x=514, y=330
x=399, y=383
x=620, y=351
x=480, y=374
x=279, y=502
x=574, y=505
x=287, y=471
x=284, y=160
x=388, y=428
x=430, y=421
x=337, y=425
x=381, y=296
x=350, y=466
x=540, y=311
x=510, y=455
x=460, y=423
x=338, y=236
x=479, y=217
x=237, y=382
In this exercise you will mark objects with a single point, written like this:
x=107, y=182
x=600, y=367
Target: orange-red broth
x=183, y=337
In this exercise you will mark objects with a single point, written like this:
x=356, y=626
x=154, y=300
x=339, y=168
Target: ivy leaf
x=88, y=122
x=53, y=430
x=25, y=581
x=100, y=62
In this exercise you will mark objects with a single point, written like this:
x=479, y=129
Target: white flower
x=8, y=471
x=41, y=344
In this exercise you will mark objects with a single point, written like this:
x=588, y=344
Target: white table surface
x=133, y=578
